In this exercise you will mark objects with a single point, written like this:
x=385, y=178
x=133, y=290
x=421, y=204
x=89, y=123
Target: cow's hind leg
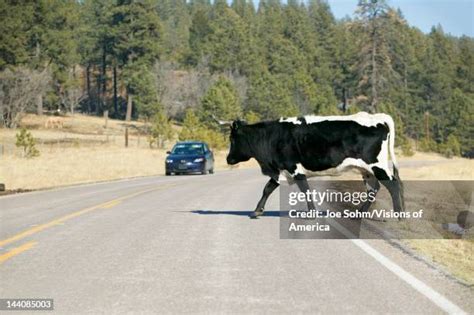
x=303, y=185
x=271, y=185
x=373, y=186
x=393, y=185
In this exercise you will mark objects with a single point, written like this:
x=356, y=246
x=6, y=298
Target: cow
x=300, y=147
x=54, y=122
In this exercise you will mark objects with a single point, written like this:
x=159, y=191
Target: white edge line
x=435, y=297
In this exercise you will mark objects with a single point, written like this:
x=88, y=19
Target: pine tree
x=17, y=17
x=228, y=44
x=176, y=22
x=374, y=67
x=270, y=97
x=25, y=140
x=221, y=101
x=137, y=38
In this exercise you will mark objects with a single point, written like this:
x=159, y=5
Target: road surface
x=184, y=244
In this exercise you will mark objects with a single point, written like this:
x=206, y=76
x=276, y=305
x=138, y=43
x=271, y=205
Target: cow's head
x=240, y=150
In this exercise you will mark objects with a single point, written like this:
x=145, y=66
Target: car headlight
x=198, y=160
x=169, y=161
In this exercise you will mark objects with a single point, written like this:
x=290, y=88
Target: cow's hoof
x=256, y=214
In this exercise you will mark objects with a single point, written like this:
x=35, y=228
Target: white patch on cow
x=362, y=118
x=293, y=120
x=336, y=171
x=299, y=170
x=347, y=164
x=382, y=159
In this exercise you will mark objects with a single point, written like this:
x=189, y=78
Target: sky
x=455, y=16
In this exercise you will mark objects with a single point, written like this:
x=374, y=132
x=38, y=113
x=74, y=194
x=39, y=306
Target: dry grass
x=431, y=166
x=82, y=165
x=78, y=165
x=456, y=256
x=83, y=151
x=441, y=201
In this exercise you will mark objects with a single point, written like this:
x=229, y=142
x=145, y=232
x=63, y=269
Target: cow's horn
x=222, y=122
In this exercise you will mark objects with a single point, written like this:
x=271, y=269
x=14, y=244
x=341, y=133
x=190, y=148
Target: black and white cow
x=313, y=145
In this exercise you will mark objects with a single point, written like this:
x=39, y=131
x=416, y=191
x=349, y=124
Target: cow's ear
x=235, y=125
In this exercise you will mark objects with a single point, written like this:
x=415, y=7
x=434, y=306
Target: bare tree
x=19, y=90
x=180, y=89
x=72, y=93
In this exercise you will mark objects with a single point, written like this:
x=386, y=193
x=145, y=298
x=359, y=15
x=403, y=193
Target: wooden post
x=39, y=104
x=126, y=137
x=128, y=115
x=106, y=117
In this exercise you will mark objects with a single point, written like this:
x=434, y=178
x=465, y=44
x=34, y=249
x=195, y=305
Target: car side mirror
x=168, y=152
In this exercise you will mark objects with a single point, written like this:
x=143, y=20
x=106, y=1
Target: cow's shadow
x=269, y=213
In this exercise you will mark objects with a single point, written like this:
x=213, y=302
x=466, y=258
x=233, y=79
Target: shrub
x=194, y=129
x=407, y=149
x=161, y=130
x=25, y=140
x=252, y=117
x=426, y=145
x=451, y=147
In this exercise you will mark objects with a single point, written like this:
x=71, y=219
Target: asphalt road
x=185, y=245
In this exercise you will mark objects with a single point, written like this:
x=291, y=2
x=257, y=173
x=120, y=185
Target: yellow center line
x=16, y=251
x=70, y=216
x=111, y=204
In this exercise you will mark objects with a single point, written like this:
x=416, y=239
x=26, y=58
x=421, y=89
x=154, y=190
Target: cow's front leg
x=269, y=188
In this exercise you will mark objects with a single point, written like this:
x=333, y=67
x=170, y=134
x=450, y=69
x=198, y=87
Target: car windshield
x=188, y=149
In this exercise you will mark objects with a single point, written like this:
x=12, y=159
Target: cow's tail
x=391, y=145
x=391, y=148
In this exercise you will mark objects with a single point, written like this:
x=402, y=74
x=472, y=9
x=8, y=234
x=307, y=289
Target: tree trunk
x=405, y=81
x=39, y=98
x=373, y=103
x=39, y=104
x=115, y=93
x=88, y=86
x=128, y=116
x=99, y=97
x=2, y=116
x=104, y=75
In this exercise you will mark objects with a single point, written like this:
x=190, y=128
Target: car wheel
x=167, y=173
x=211, y=171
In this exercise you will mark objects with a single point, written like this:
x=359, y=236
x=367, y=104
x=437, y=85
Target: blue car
x=190, y=157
